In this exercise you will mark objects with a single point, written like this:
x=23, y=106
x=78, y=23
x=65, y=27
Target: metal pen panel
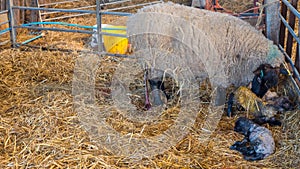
x=57, y=29
x=99, y=21
x=5, y=11
x=63, y=2
x=54, y=9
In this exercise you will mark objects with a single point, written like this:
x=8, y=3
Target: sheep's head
x=265, y=78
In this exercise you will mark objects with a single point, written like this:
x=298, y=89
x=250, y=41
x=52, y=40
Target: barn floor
x=40, y=129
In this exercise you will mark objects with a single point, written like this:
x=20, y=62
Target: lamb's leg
x=254, y=157
x=274, y=122
x=147, y=100
x=238, y=144
x=230, y=104
x=155, y=85
x=242, y=147
x=220, y=96
x=263, y=120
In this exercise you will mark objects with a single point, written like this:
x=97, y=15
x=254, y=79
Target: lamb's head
x=243, y=125
x=266, y=77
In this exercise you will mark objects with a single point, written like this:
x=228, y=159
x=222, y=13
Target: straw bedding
x=40, y=129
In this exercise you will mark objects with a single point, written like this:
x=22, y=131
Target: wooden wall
x=22, y=16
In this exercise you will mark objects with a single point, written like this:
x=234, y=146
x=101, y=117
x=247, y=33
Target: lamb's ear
x=258, y=70
x=284, y=71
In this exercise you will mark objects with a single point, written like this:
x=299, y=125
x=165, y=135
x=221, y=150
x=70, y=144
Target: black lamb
x=258, y=142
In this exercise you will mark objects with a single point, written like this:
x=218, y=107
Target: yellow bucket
x=112, y=44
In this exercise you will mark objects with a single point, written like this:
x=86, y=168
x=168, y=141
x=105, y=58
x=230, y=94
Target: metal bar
x=70, y=50
x=297, y=60
x=74, y=10
x=295, y=71
x=11, y=19
x=114, y=3
x=291, y=7
x=99, y=22
x=116, y=13
x=72, y=30
x=113, y=34
x=32, y=39
x=65, y=17
x=282, y=26
x=3, y=32
x=3, y=23
x=5, y=42
x=133, y=6
x=63, y=2
x=56, y=29
x=292, y=18
x=48, y=13
x=54, y=9
x=40, y=16
x=117, y=55
x=92, y=6
x=5, y=11
x=66, y=24
x=291, y=31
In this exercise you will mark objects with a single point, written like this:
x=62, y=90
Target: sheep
x=200, y=45
x=207, y=44
x=260, y=140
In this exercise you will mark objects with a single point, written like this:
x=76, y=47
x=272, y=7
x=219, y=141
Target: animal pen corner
x=38, y=12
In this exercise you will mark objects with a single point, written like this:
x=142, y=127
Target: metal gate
x=40, y=19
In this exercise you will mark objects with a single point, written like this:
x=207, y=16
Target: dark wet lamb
x=267, y=112
x=258, y=142
x=156, y=86
x=266, y=77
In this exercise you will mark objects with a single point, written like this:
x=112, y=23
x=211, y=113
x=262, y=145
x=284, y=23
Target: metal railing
x=35, y=26
x=108, y=4
x=80, y=11
x=286, y=44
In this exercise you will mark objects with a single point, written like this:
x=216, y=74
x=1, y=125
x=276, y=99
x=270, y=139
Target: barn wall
x=21, y=16
x=3, y=18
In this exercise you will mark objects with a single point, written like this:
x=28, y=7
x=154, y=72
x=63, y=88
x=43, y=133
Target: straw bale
x=40, y=129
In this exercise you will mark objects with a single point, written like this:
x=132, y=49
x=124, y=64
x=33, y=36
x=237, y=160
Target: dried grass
x=237, y=6
x=40, y=129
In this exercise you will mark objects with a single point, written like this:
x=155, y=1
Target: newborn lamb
x=258, y=142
